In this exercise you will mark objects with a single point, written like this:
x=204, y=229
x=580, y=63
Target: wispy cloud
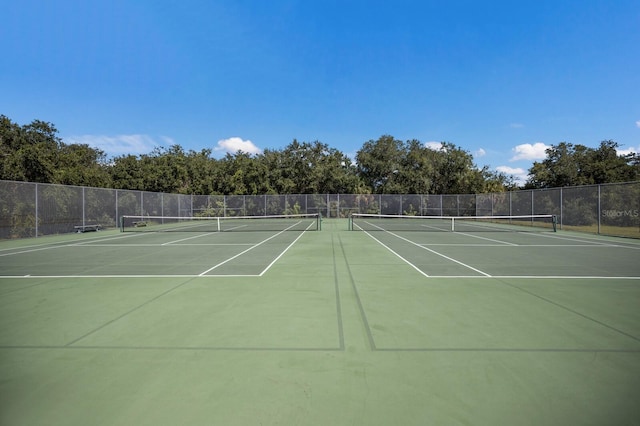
x=235, y=144
x=516, y=125
x=527, y=151
x=638, y=124
x=116, y=145
x=480, y=153
x=519, y=174
x=167, y=141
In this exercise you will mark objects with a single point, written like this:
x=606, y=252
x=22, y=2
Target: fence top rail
x=327, y=194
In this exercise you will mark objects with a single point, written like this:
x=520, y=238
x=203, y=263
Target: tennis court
x=343, y=322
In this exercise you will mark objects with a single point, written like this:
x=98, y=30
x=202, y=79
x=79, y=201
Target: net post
x=554, y=222
x=218, y=223
x=121, y=223
x=319, y=222
x=453, y=224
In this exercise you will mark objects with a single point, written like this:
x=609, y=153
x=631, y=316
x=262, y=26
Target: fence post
x=117, y=216
x=532, y=209
x=561, y=208
x=37, y=219
x=599, y=212
x=510, y=204
x=328, y=207
x=83, y=208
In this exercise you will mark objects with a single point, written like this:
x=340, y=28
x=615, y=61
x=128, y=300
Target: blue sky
x=503, y=80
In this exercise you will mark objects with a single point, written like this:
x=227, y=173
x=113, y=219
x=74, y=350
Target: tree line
x=35, y=153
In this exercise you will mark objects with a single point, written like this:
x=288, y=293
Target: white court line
x=436, y=228
x=49, y=246
x=489, y=239
x=55, y=244
x=201, y=235
x=113, y=245
x=467, y=245
x=391, y=250
x=161, y=245
x=539, y=277
x=400, y=257
x=519, y=245
x=126, y=276
x=212, y=244
x=608, y=239
x=249, y=249
x=58, y=243
x=484, y=277
x=424, y=248
x=440, y=254
x=584, y=240
x=185, y=239
x=284, y=251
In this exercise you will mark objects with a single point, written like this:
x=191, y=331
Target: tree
x=604, y=165
x=35, y=153
x=165, y=170
x=379, y=164
x=318, y=169
x=455, y=172
x=127, y=173
x=80, y=164
x=391, y=166
x=570, y=165
x=418, y=168
x=29, y=152
x=202, y=171
x=242, y=173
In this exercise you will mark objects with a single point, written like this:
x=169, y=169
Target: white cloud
x=433, y=145
x=527, y=151
x=480, y=153
x=638, y=124
x=627, y=151
x=116, y=145
x=516, y=125
x=520, y=175
x=235, y=144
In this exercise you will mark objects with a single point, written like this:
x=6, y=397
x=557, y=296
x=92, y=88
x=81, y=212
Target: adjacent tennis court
x=302, y=321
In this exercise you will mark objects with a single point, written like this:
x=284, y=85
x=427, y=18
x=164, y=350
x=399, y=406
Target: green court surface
x=327, y=327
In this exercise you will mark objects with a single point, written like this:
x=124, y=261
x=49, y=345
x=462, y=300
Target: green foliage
x=387, y=165
x=17, y=210
x=35, y=153
x=572, y=165
x=390, y=166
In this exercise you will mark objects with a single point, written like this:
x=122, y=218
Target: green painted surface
x=338, y=330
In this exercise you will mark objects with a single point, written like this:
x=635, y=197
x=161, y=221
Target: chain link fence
x=32, y=210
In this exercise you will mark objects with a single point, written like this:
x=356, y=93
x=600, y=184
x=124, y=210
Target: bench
x=87, y=228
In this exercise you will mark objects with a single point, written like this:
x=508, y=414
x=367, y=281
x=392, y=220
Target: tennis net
x=295, y=222
x=377, y=222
